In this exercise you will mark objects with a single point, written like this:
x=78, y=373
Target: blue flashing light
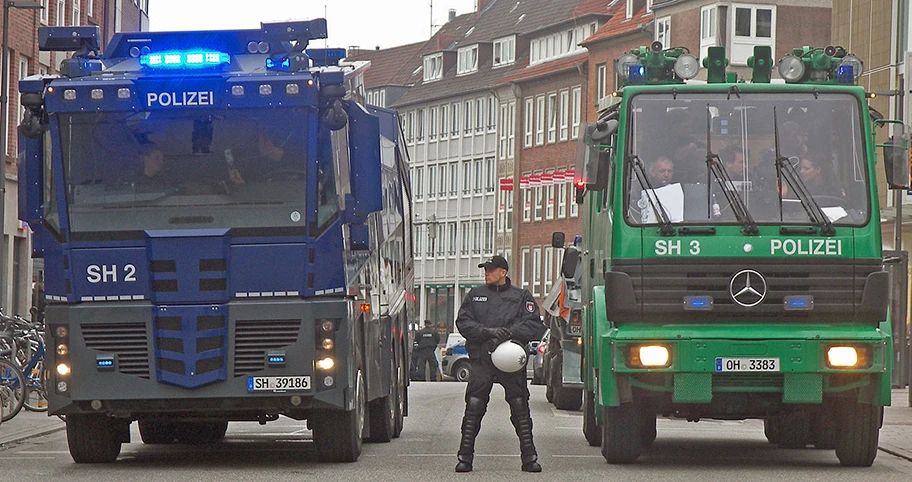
x=636, y=74
x=185, y=59
x=798, y=302
x=277, y=359
x=105, y=363
x=272, y=65
x=845, y=74
x=702, y=302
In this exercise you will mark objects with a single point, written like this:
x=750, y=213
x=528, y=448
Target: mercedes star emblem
x=747, y=287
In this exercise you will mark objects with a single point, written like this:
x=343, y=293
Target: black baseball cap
x=496, y=261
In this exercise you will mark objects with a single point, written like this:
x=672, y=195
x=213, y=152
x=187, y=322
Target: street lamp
x=4, y=121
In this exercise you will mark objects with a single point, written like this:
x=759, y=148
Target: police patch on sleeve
x=530, y=307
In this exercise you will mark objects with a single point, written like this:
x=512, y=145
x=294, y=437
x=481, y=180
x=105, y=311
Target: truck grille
x=252, y=338
x=661, y=286
x=128, y=341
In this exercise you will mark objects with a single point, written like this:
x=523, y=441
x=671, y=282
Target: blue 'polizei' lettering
x=179, y=99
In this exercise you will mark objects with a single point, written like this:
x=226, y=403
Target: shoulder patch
x=530, y=307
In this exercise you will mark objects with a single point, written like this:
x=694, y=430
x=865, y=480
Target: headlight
x=687, y=66
x=63, y=369
x=842, y=356
x=648, y=356
x=791, y=68
x=325, y=364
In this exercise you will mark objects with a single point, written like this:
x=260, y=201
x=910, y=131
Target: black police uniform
x=483, y=311
x=427, y=339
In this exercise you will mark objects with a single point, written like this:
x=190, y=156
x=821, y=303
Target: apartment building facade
x=110, y=16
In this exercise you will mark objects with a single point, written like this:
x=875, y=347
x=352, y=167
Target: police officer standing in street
x=489, y=316
x=427, y=339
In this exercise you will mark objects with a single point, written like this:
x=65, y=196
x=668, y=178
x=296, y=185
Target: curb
x=24, y=437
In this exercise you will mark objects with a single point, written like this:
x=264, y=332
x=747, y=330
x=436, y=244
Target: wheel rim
x=359, y=404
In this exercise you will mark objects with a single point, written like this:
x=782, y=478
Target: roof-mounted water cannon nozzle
x=287, y=42
x=81, y=40
x=761, y=63
x=715, y=63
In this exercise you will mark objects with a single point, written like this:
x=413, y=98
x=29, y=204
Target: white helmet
x=509, y=357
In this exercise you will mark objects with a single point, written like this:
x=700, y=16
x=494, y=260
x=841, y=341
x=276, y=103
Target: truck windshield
x=672, y=136
x=129, y=172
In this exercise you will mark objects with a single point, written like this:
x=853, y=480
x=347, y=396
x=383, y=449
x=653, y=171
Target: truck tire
x=648, y=430
x=92, y=438
x=592, y=430
x=337, y=433
x=462, y=370
x=200, y=432
x=563, y=398
x=823, y=429
x=857, y=433
x=795, y=430
x=154, y=432
x=771, y=429
x=621, y=433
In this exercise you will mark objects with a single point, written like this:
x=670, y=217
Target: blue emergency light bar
x=176, y=59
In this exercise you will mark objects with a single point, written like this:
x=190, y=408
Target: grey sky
x=363, y=23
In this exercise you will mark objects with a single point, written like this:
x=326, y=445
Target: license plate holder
x=749, y=364
x=278, y=384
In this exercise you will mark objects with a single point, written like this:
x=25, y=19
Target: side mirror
x=557, y=239
x=896, y=160
x=570, y=263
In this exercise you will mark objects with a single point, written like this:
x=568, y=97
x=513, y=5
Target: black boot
x=522, y=422
x=471, y=424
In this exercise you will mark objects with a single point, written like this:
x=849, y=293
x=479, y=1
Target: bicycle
x=12, y=389
x=23, y=344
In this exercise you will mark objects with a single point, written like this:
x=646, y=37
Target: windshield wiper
x=636, y=164
x=714, y=165
x=785, y=169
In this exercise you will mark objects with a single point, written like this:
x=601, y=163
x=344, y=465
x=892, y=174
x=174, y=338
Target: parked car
x=538, y=360
x=455, y=360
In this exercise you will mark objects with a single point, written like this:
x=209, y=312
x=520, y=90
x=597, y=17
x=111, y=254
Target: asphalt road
x=282, y=450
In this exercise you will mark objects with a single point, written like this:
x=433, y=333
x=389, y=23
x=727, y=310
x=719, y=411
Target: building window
x=564, y=115
x=552, y=118
x=442, y=191
x=90, y=8
x=433, y=67
x=467, y=60
x=419, y=182
x=488, y=237
x=539, y=120
x=601, y=82
x=663, y=31
x=479, y=115
x=752, y=25
x=419, y=240
x=708, y=26
x=537, y=211
x=432, y=181
x=467, y=177
x=549, y=267
x=574, y=208
x=454, y=122
x=76, y=12
x=476, y=237
x=419, y=127
x=479, y=176
x=509, y=211
x=467, y=117
x=492, y=113
x=536, y=271
x=559, y=44
x=504, y=51
x=444, y=120
x=490, y=174
x=526, y=272
x=43, y=14
x=451, y=239
x=432, y=123
x=466, y=238
x=511, y=126
x=527, y=204
x=549, y=195
x=576, y=112
x=410, y=126
x=529, y=116
x=562, y=198
x=502, y=136
x=61, y=13
x=454, y=178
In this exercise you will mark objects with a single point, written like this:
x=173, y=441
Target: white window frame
x=466, y=238
x=549, y=267
x=509, y=211
x=511, y=130
x=536, y=270
x=410, y=126
x=549, y=197
x=490, y=174
x=454, y=179
x=742, y=46
x=90, y=8
x=477, y=237
x=419, y=125
x=467, y=60
x=502, y=135
x=442, y=190
x=419, y=182
x=529, y=116
x=61, y=13
x=663, y=31
x=44, y=14
x=576, y=111
x=601, y=81
x=526, y=268
x=539, y=120
x=574, y=207
x=444, y=120
x=419, y=241
x=433, y=67
x=432, y=123
x=466, y=177
x=527, y=205
x=76, y=13
x=432, y=182
x=478, y=167
x=454, y=122
x=552, y=117
x=451, y=238
x=488, y=237
x=562, y=200
x=537, y=200
x=504, y=51
x=564, y=115
x=479, y=114
x=467, y=117
x=492, y=113
x=709, y=29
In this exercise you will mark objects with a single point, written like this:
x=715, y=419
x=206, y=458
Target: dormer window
x=560, y=44
x=433, y=67
x=504, y=51
x=467, y=61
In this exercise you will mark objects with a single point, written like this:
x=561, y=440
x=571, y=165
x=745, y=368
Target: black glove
x=501, y=335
